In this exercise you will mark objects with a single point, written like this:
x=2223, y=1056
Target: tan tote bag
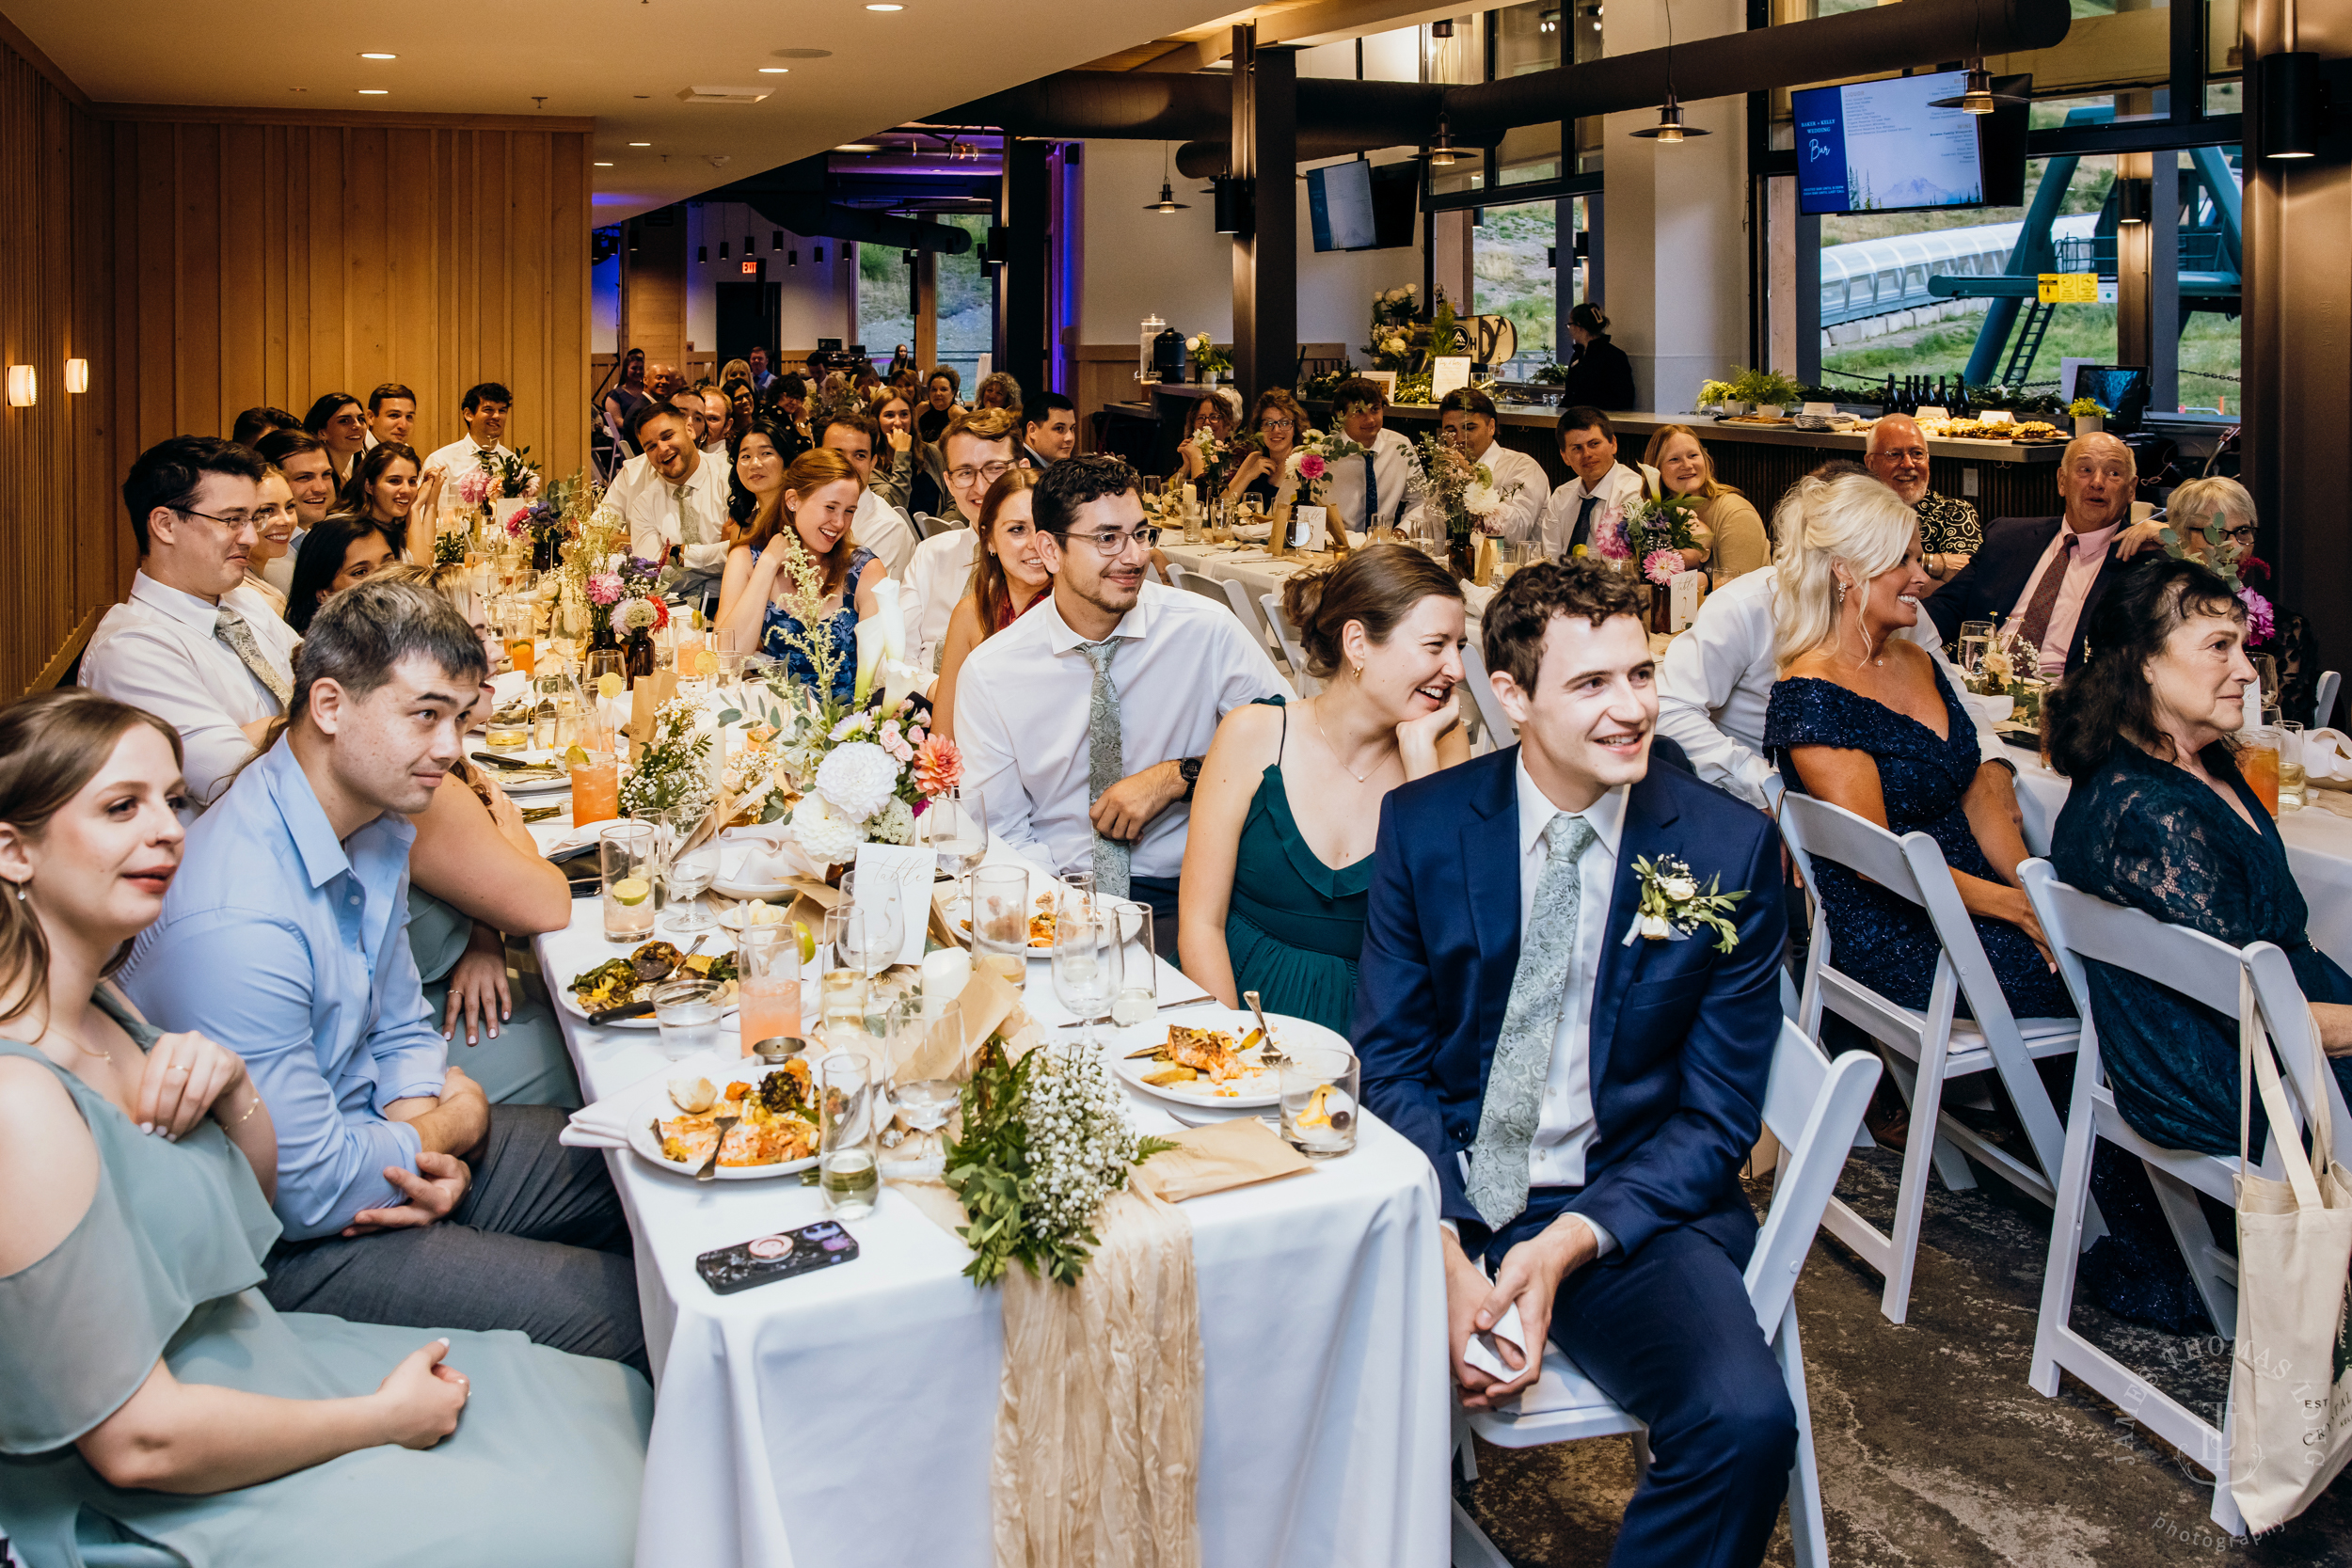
x=2290, y=1394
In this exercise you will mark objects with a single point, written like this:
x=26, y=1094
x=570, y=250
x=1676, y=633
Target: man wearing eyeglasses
x=973, y=452
x=1949, y=534
x=194, y=646
x=1083, y=723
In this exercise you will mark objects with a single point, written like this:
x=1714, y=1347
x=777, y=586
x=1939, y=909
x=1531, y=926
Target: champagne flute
x=1085, y=962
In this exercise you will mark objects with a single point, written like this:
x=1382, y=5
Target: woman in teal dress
x=156, y=1411
x=1278, y=854
x=810, y=501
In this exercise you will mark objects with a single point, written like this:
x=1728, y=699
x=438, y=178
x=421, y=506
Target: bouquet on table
x=1208, y=360
x=673, y=768
x=551, y=518
x=509, y=475
x=1655, y=531
x=1393, y=328
x=1466, y=493
x=624, y=594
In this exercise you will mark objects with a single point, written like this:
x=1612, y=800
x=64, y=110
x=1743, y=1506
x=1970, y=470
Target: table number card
x=1307, y=528
x=1448, y=372
x=905, y=870
x=1683, y=598
x=1385, y=380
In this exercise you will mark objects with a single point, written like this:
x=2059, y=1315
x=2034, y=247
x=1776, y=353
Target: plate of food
x=1214, y=1059
x=761, y=1122
x=2030, y=430
x=532, y=771
x=618, y=982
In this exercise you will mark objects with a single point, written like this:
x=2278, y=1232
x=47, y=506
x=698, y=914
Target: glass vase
x=1462, y=555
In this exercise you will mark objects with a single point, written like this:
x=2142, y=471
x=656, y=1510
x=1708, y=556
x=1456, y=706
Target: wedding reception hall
x=1343, y=785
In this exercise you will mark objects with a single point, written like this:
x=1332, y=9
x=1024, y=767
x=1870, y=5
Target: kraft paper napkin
x=1214, y=1157
x=644, y=700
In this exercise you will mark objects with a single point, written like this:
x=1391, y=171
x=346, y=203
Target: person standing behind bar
x=1600, y=375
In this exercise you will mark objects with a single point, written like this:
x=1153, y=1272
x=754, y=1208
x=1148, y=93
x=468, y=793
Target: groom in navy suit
x=1588, y=1093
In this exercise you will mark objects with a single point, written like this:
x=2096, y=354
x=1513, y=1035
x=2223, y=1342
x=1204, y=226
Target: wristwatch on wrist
x=1188, y=768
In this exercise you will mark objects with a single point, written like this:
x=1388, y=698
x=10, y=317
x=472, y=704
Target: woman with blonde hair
x=1008, y=577
x=2222, y=505
x=1863, y=719
x=1736, y=544
x=811, y=508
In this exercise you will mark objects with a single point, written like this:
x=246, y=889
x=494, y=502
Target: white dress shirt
x=1621, y=487
x=461, y=456
x=1023, y=698
x=1717, y=679
x=649, y=503
x=939, y=574
x=1395, y=476
x=1509, y=468
x=2082, y=570
x=882, y=528
x=158, y=652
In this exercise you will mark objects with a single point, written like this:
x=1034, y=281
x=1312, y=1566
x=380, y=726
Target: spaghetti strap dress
x=841, y=626
x=544, y=1468
x=1280, y=886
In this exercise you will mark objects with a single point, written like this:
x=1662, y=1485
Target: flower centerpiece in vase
x=511, y=478
x=672, y=771
x=1655, y=531
x=1210, y=363
x=551, y=518
x=1393, y=328
x=1468, y=496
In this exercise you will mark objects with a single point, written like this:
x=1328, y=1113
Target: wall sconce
x=820, y=255
x=77, y=376
x=2294, y=99
x=2133, y=198
x=702, y=254
x=23, y=390
x=723, y=250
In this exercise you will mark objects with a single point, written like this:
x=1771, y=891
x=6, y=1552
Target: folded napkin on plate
x=605, y=1124
x=988, y=1004
x=767, y=853
x=2328, y=758
x=1214, y=1157
x=1256, y=532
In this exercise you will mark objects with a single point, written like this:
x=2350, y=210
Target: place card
x=1829, y=411
x=1306, y=527
x=1682, y=601
x=1998, y=416
x=904, y=870
x=1931, y=411
x=1448, y=372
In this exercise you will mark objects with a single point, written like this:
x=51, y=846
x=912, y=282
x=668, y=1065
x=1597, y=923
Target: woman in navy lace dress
x=1863, y=719
x=809, y=502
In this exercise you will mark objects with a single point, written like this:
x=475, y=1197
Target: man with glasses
x=194, y=646
x=1949, y=534
x=1083, y=724
x=975, y=450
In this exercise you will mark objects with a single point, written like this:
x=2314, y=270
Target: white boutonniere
x=1672, y=906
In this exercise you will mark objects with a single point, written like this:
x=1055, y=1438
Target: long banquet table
x=846, y=1417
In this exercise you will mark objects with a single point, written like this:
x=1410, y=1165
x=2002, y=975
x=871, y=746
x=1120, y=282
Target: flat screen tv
x=1878, y=146
x=1338, y=204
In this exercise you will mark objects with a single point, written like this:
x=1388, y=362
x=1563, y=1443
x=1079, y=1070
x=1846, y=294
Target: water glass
x=2294, y=783
x=687, y=1012
x=624, y=853
x=1084, y=962
x=687, y=873
x=847, y=1089
x=768, y=969
x=1000, y=922
x=1974, y=637
x=1319, y=1088
x=868, y=933
x=1138, y=997
x=603, y=663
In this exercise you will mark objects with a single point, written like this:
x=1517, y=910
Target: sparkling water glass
x=1139, y=996
x=625, y=853
x=848, y=1090
x=687, y=1012
x=687, y=873
x=1000, y=922
x=1086, y=961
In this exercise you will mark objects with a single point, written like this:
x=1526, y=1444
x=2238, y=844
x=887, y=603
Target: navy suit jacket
x=1989, y=587
x=1682, y=1036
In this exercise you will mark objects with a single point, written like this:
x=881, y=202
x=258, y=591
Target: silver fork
x=1268, y=1053
x=710, y=1171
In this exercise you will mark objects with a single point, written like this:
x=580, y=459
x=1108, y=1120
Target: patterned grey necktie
x=230, y=628
x=686, y=529
x=1106, y=766
x=1522, y=1063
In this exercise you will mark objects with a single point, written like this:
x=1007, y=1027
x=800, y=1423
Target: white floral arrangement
x=673, y=768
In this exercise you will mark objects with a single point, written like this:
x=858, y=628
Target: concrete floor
x=1934, y=1449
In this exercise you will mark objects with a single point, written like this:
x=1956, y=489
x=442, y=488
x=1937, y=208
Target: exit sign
x=751, y=267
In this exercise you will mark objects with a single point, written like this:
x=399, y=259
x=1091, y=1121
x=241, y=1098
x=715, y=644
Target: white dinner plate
x=1259, y=1091
x=561, y=783
x=571, y=1004
x=658, y=1103
x=733, y=918
x=733, y=862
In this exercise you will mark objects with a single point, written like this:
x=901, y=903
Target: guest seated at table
x=1380, y=487
x=341, y=550
x=1466, y=419
x=628, y=393
x=487, y=407
x=2044, y=577
x=998, y=390
x=1218, y=413
x=1083, y=724
x=763, y=374
x=668, y=481
x=1008, y=580
x=476, y=877
x=1865, y=719
x=406, y=1196
x=302, y=458
x=391, y=487
x=718, y=420
x=1600, y=375
x=260, y=421
x=879, y=525
x=975, y=452
x=787, y=405
x=1049, y=429
x=1602, y=490
x=1737, y=542
x=1279, y=855
x=193, y=644
x=338, y=420
x=391, y=414
x=273, y=537
x=1949, y=534
x=1277, y=426
x=1605, y=1095
x=940, y=390
x=893, y=480
x=742, y=408
x=690, y=403
x=148, y=1392
x=811, y=508
x=2204, y=506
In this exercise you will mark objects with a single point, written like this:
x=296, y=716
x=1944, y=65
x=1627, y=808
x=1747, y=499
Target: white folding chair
x=1813, y=1105
x=2201, y=969
x=1931, y=1048
x=2324, y=703
x=1294, y=651
x=931, y=527
x=1232, y=595
x=1494, y=724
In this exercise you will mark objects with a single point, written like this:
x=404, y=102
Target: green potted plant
x=1716, y=395
x=2089, y=416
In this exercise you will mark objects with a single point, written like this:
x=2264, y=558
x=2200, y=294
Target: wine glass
x=869, y=937
x=957, y=830
x=687, y=872
x=1086, y=961
x=926, y=1103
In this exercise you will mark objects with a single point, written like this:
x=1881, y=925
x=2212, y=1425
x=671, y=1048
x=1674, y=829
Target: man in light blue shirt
x=405, y=1197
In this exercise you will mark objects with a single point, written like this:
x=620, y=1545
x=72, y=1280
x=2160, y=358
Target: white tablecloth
x=845, y=1416
x=2319, y=851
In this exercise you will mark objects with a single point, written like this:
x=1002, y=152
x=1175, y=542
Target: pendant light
x=1977, y=96
x=1167, y=202
x=1670, y=131
x=1441, y=152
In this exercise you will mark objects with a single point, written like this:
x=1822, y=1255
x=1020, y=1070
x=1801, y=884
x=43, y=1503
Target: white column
x=1676, y=242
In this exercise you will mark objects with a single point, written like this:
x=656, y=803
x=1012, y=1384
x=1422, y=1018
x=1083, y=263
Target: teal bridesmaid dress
x=1279, y=886
x=544, y=1468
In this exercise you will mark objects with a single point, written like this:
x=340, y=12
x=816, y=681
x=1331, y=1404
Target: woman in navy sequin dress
x=811, y=502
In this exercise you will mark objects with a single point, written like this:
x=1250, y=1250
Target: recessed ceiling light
x=603, y=164
x=881, y=8
x=640, y=144
x=775, y=70
x=373, y=92
x=376, y=54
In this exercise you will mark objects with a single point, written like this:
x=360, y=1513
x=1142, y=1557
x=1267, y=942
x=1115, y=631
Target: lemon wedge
x=575, y=757
x=631, y=890
x=610, y=686
x=808, y=940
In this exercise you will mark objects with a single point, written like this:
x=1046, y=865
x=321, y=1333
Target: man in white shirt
x=878, y=526
x=1083, y=724
x=487, y=407
x=1467, y=419
x=975, y=451
x=309, y=471
x=1049, y=429
x=673, y=500
x=391, y=412
x=718, y=423
x=1602, y=487
x=1381, y=487
x=194, y=646
x=1586, y=1097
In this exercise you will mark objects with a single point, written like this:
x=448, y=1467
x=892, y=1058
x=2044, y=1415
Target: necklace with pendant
x=1364, y=777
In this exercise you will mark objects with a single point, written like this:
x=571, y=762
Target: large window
x=1512, y=277
x=967, y=301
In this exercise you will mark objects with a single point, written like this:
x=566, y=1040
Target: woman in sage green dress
x=156, y=1411
x=1278, y=855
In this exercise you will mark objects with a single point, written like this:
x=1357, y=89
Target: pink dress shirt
x=2090, y=551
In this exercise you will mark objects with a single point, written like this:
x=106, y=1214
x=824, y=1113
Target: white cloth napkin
x=2328, y=756
x=1255, y=532
x=765, y=852
x=605, y=1123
